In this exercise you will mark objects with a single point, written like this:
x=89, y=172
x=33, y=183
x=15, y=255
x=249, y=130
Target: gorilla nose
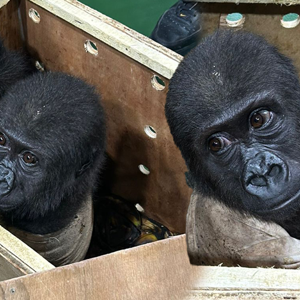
x=6, y=180
x=265, y=175
x=260, y=176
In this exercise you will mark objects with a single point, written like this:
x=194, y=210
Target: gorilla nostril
x=274, y=171
x=258, y=181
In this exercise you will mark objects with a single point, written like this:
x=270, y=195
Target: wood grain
x=10, y=29
x=17, y=259
x=158, y=270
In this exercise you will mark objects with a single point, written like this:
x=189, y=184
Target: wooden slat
x=17, y=259
x=3, y=3
x=237, y=295
x=145, y=51
x=244, y=283
x=246, y=279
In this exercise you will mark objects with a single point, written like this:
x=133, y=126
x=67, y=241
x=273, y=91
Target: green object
x=141, y=15
x=234, y=17
x=290, y=17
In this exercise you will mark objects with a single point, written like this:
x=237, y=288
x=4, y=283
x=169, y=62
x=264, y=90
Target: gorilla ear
x=83, y=168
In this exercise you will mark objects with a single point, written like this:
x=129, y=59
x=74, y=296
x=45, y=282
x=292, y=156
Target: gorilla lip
x=283, y=203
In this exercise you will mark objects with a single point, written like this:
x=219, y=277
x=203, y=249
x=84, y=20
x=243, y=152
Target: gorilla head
x=233, y=108
x=52, y=138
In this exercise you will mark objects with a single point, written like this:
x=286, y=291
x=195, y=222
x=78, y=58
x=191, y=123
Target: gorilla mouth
x=7, y=206
x=284, y=203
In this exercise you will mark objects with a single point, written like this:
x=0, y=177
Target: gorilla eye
x=2, y=139
x=29, y=158
x=259, y=118
x=218, y=143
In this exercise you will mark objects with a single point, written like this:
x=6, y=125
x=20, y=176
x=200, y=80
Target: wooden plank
x=237, y=295
x=158, y=270
x=140, y=48
x=131, y=102
x=17, y=259
x=244, y=283
x=246, y=279
x=3, y=3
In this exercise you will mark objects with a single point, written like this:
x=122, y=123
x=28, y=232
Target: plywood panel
x=131, y=103
x=10, y=30
x=158, y=270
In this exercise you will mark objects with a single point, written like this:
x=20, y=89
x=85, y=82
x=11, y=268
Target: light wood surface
x=17, y=259
x=157, y=271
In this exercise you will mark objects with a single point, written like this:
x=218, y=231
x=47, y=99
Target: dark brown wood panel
x=10, y=29
x=131, y=103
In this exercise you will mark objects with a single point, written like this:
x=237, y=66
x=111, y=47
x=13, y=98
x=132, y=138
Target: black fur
x=214, y=94
x=13, y=67
x=60, y=120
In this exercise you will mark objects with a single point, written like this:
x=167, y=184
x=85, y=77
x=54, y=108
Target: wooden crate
x=125, y=72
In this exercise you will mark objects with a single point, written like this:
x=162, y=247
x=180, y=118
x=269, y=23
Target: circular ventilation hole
x=157, y=83
x=150, y=131
x=39, y=66
x=91, y=47
x=235, y=19
x=144, y=169
x=290, y=20
x=139, y=208
x=34, y=15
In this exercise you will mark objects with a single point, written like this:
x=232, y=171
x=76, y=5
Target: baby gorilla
x=52, y=140
x=233, y=108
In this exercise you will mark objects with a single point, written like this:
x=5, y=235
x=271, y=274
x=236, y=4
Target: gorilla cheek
x=266, y=177
x=6, y=180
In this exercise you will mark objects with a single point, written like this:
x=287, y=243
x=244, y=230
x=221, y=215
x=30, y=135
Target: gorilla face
x=52, y=139
x=233, y=109
x=254, y=164
x=25, y=174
